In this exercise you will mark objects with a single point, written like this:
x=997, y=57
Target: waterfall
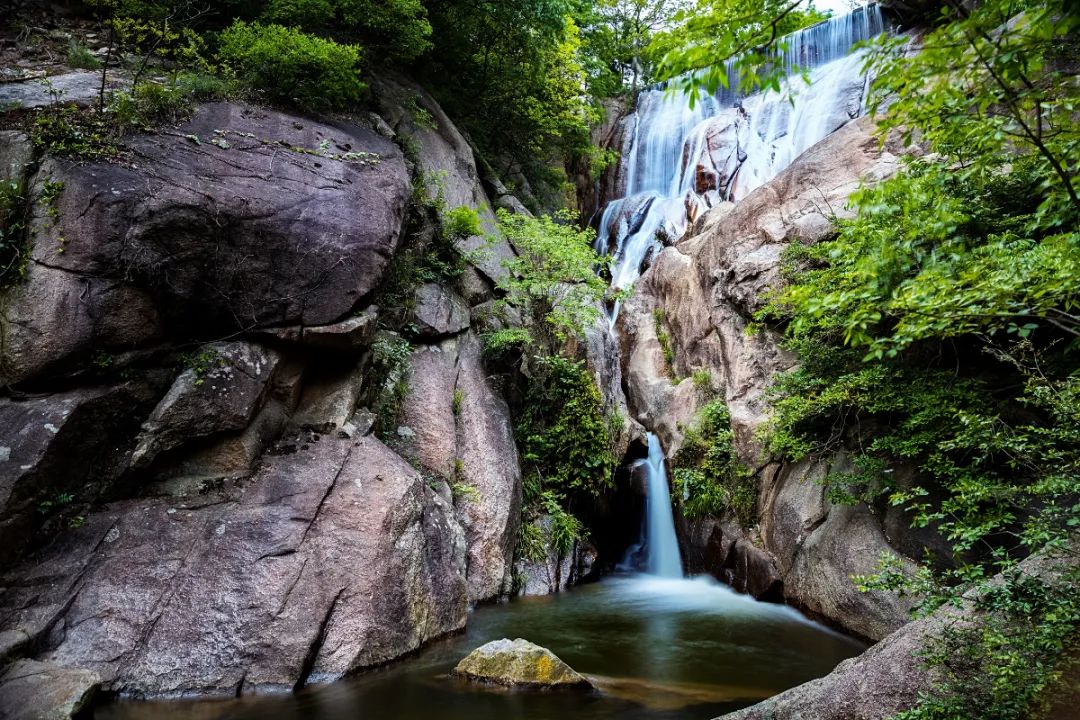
x=677, y=162
x=661, y=545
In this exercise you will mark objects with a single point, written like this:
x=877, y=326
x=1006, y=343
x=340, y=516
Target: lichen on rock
x=519, y=663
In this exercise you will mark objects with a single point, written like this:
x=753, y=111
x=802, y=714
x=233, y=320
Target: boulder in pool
x=519, y=663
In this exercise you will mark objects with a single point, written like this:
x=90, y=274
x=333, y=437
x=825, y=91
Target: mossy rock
x=519, y=663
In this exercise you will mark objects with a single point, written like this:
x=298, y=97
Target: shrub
x=565, y=438
x=79, y=56
x=291, y=67
x=707, y=473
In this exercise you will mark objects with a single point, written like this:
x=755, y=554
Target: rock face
x=191, y=499
x=333, y=558
x=446, y=162
x=554, y=572
x=241, y=218
x=464, y=435
x=519, y=663
x=63, y=450
x=708, y=287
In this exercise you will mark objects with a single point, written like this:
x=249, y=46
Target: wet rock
x=439, y=312
x=31, y=690
x=243, y=218
x=519, y=663
x=221, y=392
x=333, y=558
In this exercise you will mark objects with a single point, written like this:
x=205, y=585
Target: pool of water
x=656, y=648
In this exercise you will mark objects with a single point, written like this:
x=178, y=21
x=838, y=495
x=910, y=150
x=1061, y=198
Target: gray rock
x=553, y=573
x=31, y=690
x=519, y=663
x=438, y=312
x=333, y=558
x=62, y=450
x=222, y=393
x=329, y=400
x=287, y=222
x=16, y=155
x=81, y=87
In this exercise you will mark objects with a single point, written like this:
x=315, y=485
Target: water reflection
x=657, y=648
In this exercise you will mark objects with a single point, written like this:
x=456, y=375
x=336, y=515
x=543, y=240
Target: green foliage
x=562, y=432
x=616, y=35
x=511, y=73
x=397, y=29
x=202, y=363
x=67, y=131
x=79, y=56
x=693, y=48
x=937, y=336
x=14, y=248
x=462, y=222
x=553, y=278
x=293, y=67
x=990, y=82
x=706, y=472
x=390, y=371
x=936, y=253
x=703, y=382
x=664, y=339
x=456, y=401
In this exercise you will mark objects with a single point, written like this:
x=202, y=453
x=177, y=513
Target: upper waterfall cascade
x=679, y=161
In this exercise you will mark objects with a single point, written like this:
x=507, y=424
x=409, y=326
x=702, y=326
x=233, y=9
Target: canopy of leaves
x=292, y=67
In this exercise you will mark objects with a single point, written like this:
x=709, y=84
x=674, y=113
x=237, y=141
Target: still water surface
x=658, y=648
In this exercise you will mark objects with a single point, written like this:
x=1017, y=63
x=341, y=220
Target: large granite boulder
x=240, y=218
x=519, y=663
x=335, y=557
x=463, y=434
x=708, y=287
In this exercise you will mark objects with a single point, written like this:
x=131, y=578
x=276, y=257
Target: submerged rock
x=519, y=663
x=32, y=690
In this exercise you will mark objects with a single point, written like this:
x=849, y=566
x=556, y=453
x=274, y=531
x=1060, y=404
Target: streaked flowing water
x=660, y=543
x=657, y=649
x=679, y=161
